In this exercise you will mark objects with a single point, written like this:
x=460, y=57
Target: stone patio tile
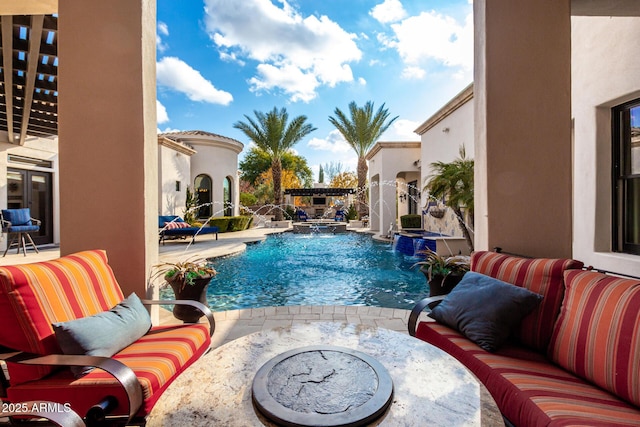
x=282, y=310
x=294, y=309
x=393, y=324
x=245, y=313
x=272, y=323
x=339, y=309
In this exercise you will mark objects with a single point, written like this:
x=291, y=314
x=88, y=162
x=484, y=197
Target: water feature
x=316, y=269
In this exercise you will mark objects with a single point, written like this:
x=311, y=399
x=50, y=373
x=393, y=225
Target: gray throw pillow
x=103, y=334
x=485, y=310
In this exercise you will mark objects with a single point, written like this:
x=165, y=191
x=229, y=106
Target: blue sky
x=218, y=60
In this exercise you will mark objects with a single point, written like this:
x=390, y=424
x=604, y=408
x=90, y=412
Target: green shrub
x=222, y=222
x=231, y=223
x=238, y=223
x=352, y=213
x=411, y=221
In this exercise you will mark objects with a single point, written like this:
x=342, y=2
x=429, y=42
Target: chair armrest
x=36, y=221
x=428, y=303
x=37, y=408
x=197, y=304
x=121, y=372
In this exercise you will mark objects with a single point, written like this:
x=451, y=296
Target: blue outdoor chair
x=17, y=223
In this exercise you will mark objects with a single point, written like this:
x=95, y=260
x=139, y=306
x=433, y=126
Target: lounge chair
x=174, y=227
x=71, y=312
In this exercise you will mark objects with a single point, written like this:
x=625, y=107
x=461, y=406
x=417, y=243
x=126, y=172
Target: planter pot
x=442, y=285
x=195, y=292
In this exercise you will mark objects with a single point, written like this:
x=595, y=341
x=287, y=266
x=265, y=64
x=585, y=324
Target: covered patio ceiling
x=29, y=76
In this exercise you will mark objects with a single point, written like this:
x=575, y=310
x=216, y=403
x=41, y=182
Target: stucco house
x=205, y=161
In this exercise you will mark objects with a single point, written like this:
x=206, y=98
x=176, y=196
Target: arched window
x=202, y=185
x=226, y=195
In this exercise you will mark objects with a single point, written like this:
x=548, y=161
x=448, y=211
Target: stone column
x=522, y=94
x=107, y=130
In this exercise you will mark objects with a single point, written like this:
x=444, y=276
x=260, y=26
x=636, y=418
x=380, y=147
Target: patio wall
x=606, y=73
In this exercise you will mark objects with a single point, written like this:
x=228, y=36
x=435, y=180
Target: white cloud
x=388, y=11
x=432, y=36
x=161, y=112
x=413, y=73
x=175, y=74
x=334, y=143
x=296, y=54
x=169, y=130
x=362, y=81
x=163, y=29
x=404, y=129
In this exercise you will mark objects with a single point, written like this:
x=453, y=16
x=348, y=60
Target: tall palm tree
x=454, y=182
x=361, y=130
x=272, y=134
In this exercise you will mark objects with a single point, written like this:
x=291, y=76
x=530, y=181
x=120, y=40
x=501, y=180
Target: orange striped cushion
x=157, y=359
x=528, y=389
x=33, y=296
x=598, y=332
x=539, y=275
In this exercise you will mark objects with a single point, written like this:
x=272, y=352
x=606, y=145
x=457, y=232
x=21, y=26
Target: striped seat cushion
x=598, y=332
x=157, y=359
x=528, y=389
x=542, y=276
x=33, y=296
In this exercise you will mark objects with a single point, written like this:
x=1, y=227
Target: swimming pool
x=317, y=269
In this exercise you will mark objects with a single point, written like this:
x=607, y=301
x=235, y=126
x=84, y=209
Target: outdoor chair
x=17, y=224
x=60, y=318
x=174, y=227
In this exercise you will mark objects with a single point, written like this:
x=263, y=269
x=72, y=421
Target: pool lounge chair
x=174, y=227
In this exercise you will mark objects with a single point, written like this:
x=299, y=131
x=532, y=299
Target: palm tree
x=361, y=131
x=272, y=134
x=454, y=182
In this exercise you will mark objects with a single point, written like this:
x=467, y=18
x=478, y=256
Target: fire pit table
x=429, y=387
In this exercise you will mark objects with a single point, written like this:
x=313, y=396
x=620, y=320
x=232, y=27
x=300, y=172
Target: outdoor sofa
x=174, y=227
x=59, y=318
x=570, y=356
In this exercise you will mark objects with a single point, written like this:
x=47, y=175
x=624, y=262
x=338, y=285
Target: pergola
x=29, y=76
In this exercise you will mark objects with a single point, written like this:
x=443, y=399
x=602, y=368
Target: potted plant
x=189, y=280
x=442, y=273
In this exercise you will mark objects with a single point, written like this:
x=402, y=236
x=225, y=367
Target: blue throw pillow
x=103, y=334
x=485, y=310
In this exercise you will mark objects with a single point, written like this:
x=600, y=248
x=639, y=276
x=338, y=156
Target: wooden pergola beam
x=7, y=70
x=35, y=37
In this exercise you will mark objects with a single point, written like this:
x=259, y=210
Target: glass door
x=32, y=189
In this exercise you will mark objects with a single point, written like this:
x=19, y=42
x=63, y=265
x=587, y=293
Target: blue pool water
x=316, y=269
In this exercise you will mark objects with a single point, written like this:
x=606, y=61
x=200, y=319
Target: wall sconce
x=403, y=197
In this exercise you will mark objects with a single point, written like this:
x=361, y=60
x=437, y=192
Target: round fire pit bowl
x=322, y=386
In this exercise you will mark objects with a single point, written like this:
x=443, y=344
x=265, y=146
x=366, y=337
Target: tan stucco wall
x=173, y=166
x=606, y=72
x=218, y=161
x=386, y=161
x=442, y=138
x=108, y=135
x=522, y=82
